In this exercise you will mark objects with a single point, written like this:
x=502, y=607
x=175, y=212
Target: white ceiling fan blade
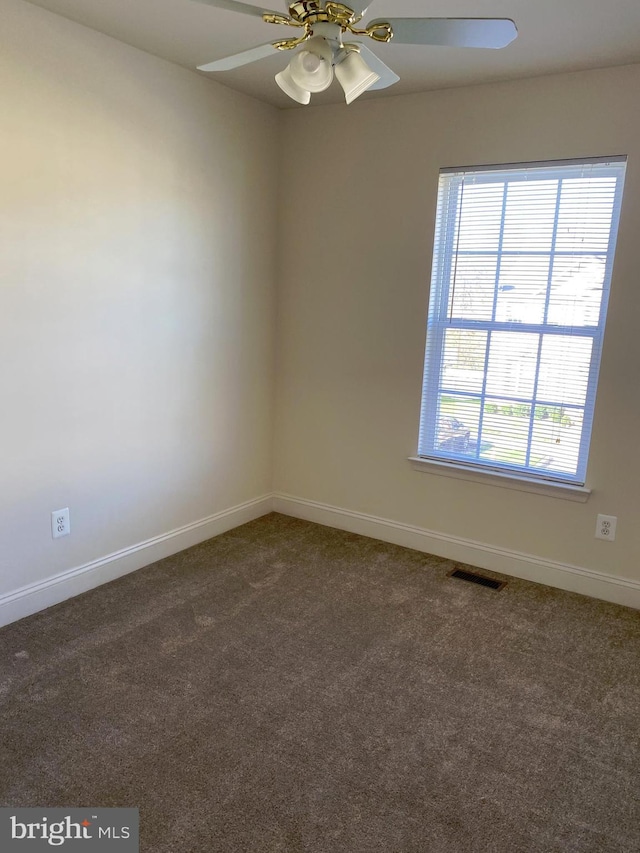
x=236, y=6
x=451, y=32
x=238, y=59
x=387, y=76
x=358, y=6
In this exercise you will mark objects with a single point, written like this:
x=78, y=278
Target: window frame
x=445, y=254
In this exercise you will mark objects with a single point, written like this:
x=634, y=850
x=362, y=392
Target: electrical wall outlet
x=606, y=527
x=60, y=523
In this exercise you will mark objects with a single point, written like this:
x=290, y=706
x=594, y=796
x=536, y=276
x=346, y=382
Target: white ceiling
x=554, y=35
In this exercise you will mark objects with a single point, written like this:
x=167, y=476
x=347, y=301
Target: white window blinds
x=521, y=272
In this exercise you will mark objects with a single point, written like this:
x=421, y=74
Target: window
x=521, y=271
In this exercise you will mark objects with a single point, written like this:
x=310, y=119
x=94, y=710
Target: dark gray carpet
x=289, y=687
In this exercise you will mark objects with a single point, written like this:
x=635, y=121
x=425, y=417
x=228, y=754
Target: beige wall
x=136, y=295
x=352, y=317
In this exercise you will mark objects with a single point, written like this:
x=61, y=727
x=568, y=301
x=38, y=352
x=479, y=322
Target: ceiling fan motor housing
x=316, y=11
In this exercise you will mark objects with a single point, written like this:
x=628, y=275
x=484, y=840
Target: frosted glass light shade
x=291, y=88
x=355, y=76
x=311, y=71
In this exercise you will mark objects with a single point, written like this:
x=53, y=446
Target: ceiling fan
x=323, y=25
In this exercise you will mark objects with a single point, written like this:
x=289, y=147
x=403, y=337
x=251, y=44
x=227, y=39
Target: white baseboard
x=38, y=596
x=527, y=566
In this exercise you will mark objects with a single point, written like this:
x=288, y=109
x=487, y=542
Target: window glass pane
x=522, y=290
x=480, y=217
x=555, y=441
x=529, y=216
x=473, y=284
x=457, y=424
x=463, y=361
x=505, y=432
x=576, y=291
x=512, y=364
x=584, y=219
x=564, y=369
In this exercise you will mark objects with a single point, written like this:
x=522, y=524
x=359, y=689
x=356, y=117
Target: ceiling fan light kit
x=324, y=23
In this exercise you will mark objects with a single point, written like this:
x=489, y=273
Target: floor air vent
x=472, y=577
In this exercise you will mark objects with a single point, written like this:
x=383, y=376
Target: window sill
x=564, y=491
